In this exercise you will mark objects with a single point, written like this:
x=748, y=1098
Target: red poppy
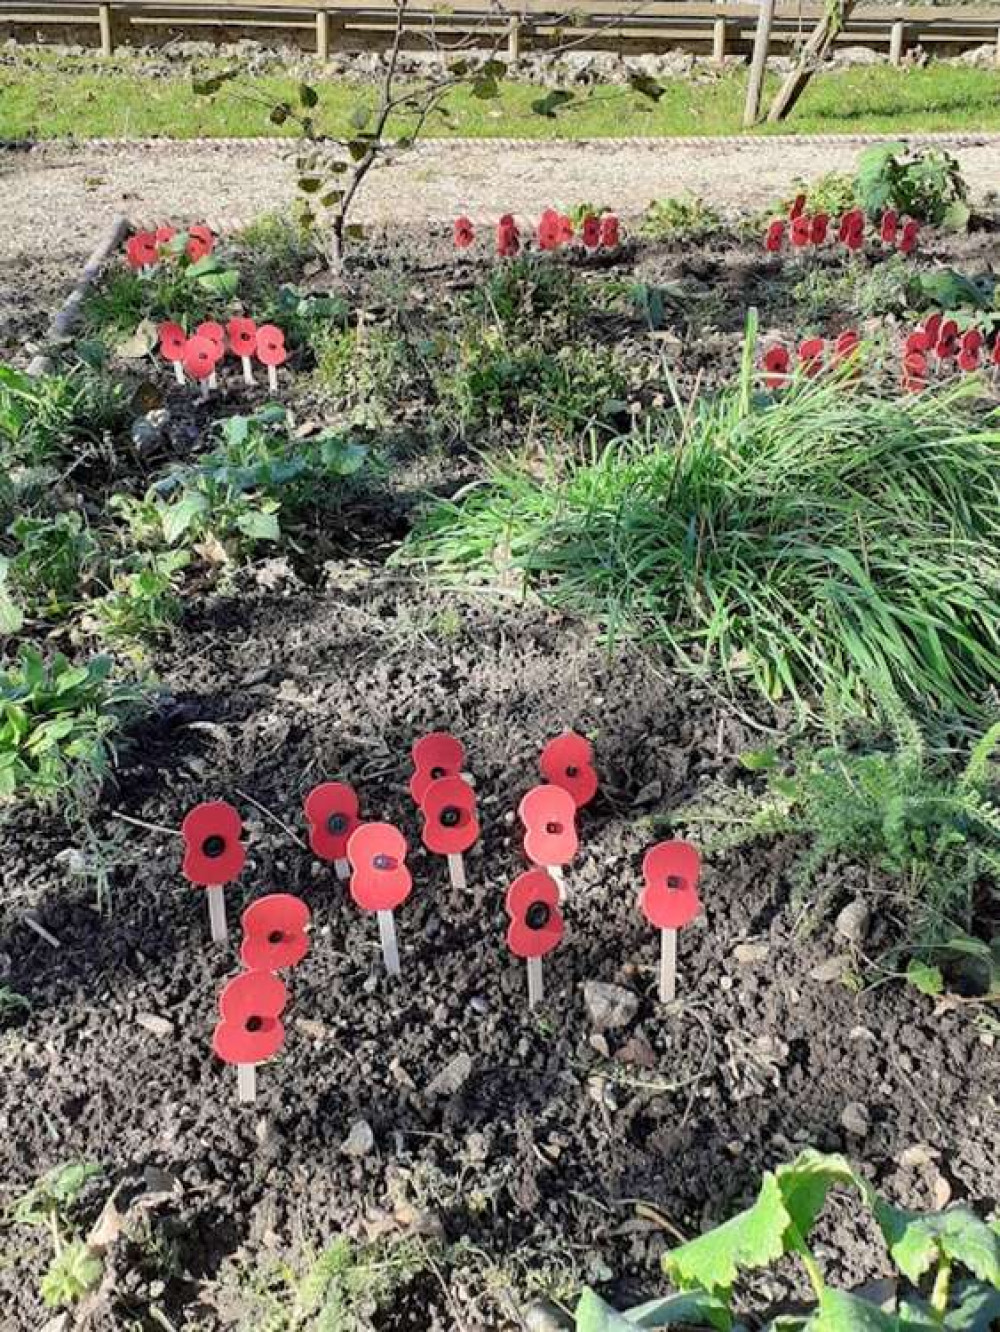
x=819, y=228
x=811, y=356
x=201, y=356
x=449, y=810
x=947, y=347
x=164, y=235
x=669, y=898
x=918, y=341
x=908, y=238
x=215, y=333
x=995, y=357
x=242, y=336
x=568, y=761
x=434, y=756
x=465, y=233
x=550, y=231
x=851, y=231
x=274, y=933
x=173, y=342
x=801, y=231
x=798, y=207
x=914, y=377
x=846, y=346
x=610, y=232
x=972, y=340
x=775, y=236
x=889, y=226
x=331, y=810
x=548, y=814
x=508, y=237
x=590, y=231
x=776, y=361
x=201, y=242
x=213, y=852
x=251, y=1029
x=271, y=345
x=564, y=228
x=141, y=250
x=968, y=359
x=932, y=327
x=536, y=923
x=380, y=880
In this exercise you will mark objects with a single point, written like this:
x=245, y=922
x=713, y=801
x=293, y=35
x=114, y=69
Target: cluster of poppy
x=812, y=356
x=145, y=249
x=553, y=232
x=937, y=345
x=201, y=352
x=373, y=856
x=805, y=230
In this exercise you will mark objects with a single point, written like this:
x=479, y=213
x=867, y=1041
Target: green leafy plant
x=821, y=539
x=925, y=183
x=832, y=193
x=144, y=600
x=58, y=726
x=928, y=1249
x=886, y=288
x=176, y=288
x=682, y=219
x=365, y=370
x=305, y=317
x=43, y=418
x=76, y=1267
x=45, y=573
x=531, y=296
x=947, y=289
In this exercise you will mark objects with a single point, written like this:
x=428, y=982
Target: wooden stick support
x=217, y=913
x=343, y=869
x=246, y=1082
x=179, y=372
x=213, y=380
x=555, y=873
x=390, y=948
x=247, y=369
x=204, y=390
x=758, y=63
x=536, y=986
x=668, y=965
x=272, y=378
x=456, y=868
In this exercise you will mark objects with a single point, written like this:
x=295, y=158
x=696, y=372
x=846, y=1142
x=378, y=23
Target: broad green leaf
x=177, y=518
x=758, y=760
x=840, y=1312
x=976, y=1308
x=957, y=216
x=140, y=344
x=688, y=1309
x=259, y=526
x=924, y=977
x=917, y=1241
x=72, y=1273
x=754, y=1238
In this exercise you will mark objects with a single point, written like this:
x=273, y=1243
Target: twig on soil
x=150, y=827
x=648, y=1212
x=290, y=832
x=41, y=931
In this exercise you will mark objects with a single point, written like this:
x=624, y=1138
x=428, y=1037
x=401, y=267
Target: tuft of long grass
x=822, y=539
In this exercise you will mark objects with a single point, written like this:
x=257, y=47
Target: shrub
x=41, y=419
x=364, y=371
x=690, y=219
x=925, y=183
x=822, y=538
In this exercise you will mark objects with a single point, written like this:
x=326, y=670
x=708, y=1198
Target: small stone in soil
x=453, y=1076
x=856, y=1119
x=853, y=921
x=360, y=1141
x=748, y=953
x=609, y=1006
x=158, y=1026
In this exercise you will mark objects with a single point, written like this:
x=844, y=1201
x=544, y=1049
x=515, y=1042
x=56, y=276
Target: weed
x=683, y=219
x=278, y=248
x=832, y=193
x=886, y=288
x=364, y=371
x=817, y=539
x=306, y=317
x=12, y=1006
x=45, y=574
x=144, y=600
x=925, y=183
x=42, y=418
x=51, y=1204
x=177, y=289
x=531, y=296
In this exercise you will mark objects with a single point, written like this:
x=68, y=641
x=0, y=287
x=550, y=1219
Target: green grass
x=45, y=97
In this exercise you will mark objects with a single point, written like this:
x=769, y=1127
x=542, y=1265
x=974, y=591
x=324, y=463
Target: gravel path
x=60, y=199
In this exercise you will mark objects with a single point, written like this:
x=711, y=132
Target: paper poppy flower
x=564, y=228
x=776, y=361
x=917, y=341
x=141, y=250
x=550, y=230
x=434, y=756
x=536, y=923
x=201, y=242
x=449, y=810
x=972, y=340
x=464, y=233
x=215, y=333
x=271, y=345
x=670, y=873
x=995, y=355
x=380, y=880
x=889, y=226
x=798, y=207
x=173, y=342
x=610, y=232
x=508, y=237
x=852, y=229
x=818, y=228
x=568, y=761
x=932, y=327
x=590, y=231
x=274, y=933
x=801, y=231
x=969, y=350
x=775, y=236
x=846, y=346
x=251, y=1029
x=164, y=235
x=914, y=376
x=213, y=852
x=548, y=814
x=332, y=812
x=811, y=353
x=242, y=334
x=201, y=355
x=947, y=346
x=908, y=236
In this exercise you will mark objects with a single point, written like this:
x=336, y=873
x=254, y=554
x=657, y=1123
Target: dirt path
x=59, y=199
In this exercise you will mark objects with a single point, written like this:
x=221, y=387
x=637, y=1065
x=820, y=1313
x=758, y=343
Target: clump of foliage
x=52, y=1204
x=278, y=247
x=948, y=1263
x=43, y=576
x=143, y=601
x=365, y=370
x=681, y=219
x=531, y=296
x=818, y=539
x=305, y=317
x=832, y=193
x=885, y=288
x=885, y=801
x=59, y=725
x=43, y=418
x=947, y=289
x=925, y=183
x=177, y=288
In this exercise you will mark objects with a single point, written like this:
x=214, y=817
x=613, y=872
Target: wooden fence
x=646, y=25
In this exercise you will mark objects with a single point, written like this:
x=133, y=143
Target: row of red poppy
x=554, y=230
x=201, y=352
x=806, y=231
x=145, y=249
x=812, y=357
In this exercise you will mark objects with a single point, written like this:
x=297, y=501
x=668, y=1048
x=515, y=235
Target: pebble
x=452, y=1077
x=544, y=1316
x=360, y=1141
x=609, y=1006
x=748, y=953
x=853, y=921
x=856, y=1120
x=158, y=1026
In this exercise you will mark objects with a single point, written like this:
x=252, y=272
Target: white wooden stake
x=213, y=382
x=556, y=872
x=272, y=378
x=390, y=949
x=204, y=390
x=247, y=369
x=343, y=868
x=179, y=372
x=536, y=986
x=246, y=1082
x=668, y=965
x=456, y=868
x=217, y=913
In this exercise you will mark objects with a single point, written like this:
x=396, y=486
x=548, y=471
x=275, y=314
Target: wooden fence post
x=514, y=38
x=719, y=41
x=322, y=34
x=758, y=63
x=107, y=30
x=896, y=35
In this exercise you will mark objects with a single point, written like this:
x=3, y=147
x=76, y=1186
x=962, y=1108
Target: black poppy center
x=571, y=770
x=213, y=846
x=383, y=862
x=537, y=916
x=254, y=1023
x=276, y=936
x=554, y=829
x=674, y=882
x=451, y=816
x=437, y=773
x=337, y=823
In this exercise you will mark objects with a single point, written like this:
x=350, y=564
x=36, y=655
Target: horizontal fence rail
x=345, y=25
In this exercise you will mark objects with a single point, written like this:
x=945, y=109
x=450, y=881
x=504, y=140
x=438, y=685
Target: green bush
x=925, y=183
x=364, y=371
x=43, y=419
x=686, y=219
